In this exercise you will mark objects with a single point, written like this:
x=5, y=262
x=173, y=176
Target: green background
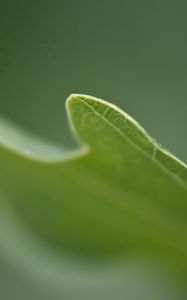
x=132, y=53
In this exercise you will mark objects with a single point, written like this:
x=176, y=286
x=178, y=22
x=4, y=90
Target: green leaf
x=118, y=195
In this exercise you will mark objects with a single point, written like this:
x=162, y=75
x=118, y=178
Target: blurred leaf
x=68, y=215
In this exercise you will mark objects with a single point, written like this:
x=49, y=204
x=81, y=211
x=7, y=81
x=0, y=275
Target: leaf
x=117, y=195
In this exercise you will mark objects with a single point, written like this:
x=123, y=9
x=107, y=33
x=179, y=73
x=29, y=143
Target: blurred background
x=130, y=52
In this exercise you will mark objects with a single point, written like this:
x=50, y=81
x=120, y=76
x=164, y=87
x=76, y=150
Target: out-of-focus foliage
x=72, y=221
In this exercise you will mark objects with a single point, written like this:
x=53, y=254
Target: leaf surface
x=117, y=195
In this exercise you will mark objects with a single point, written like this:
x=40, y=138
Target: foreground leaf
x=118, y=195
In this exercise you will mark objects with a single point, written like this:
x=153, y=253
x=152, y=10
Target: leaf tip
x=72, y=98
